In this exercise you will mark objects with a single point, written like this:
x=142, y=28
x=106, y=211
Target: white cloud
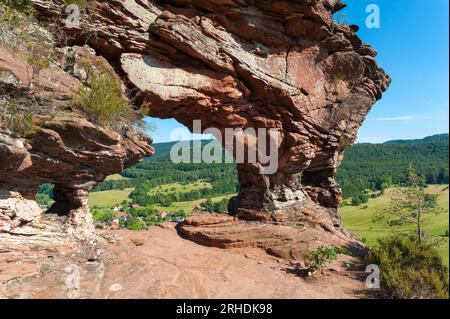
x=404, y=118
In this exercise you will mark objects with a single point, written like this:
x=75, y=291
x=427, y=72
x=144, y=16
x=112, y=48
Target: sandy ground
x=158, y=263
x=166, y=266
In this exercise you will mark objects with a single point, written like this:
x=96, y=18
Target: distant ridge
x=366, y=164
x=432, y=138
x=164, y=147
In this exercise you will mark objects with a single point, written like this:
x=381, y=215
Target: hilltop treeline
x=365, y=167
x=377, y=166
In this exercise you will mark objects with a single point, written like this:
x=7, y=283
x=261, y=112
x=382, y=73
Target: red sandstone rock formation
x=67, y=151
x=241, y=64
x=274, y=64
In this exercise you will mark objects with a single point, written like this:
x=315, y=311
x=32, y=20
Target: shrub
x=81, y=3
x=356, y=201
x=321, y=256
x=102, y=100
x=103, y=216
x=19, y=5
x=342, y=19
x=43, y=200
x=17, y=119
x=410, y=270
x=19, y=33
x=216, y=207
x=135, y=223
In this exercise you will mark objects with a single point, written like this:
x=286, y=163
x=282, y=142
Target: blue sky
x=413, y=47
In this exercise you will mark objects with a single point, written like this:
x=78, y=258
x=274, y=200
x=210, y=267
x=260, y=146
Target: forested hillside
x=160, y=170
x=365, y=166
x=372, y=166
x=433, y=138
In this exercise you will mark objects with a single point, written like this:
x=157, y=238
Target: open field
x=190, y=205
x=114, y=197
x=108, y=198
x=179, y=188
x=115, y=177
x=359, y=220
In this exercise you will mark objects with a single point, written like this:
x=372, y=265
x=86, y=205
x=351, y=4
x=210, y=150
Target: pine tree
x=410, y=205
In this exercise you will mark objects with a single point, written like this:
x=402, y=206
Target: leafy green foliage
x=21, y=34
x=379, y=166
x=410, y=270
x=80, y=3
x=160, y=170
x=43, y=200
x=215, y=207
x=360, y=199
x=135, y=223
x=410, y=205
x=103, y=101
x=17, y=119
x=102, y=215
x=321, y=256
x=24, y=6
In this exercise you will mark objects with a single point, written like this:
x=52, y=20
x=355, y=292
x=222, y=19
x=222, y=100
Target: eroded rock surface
x=247, y=64
x=64, y=149
x=162, y=266
x=283, y=65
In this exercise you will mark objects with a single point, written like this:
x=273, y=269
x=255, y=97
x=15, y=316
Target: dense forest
x=160, y=170
x=376, y=166
x=365, y=167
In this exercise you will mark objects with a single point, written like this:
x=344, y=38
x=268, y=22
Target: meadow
x=110, y=198
x=358, y=219
x=179, y=188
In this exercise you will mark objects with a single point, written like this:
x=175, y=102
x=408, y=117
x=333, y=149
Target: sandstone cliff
x=241, y=64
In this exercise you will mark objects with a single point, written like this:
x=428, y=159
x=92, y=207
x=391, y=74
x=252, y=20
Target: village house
x=121, y=216
x=162, y=214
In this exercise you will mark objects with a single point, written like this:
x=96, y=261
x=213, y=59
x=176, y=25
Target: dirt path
x=167, y=266
x=158, y=263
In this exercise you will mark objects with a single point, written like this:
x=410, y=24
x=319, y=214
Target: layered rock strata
x=274, y=64
x=284, y=65
x=62, y=148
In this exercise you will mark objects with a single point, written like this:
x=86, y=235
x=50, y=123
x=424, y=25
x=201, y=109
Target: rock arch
x=262, y=64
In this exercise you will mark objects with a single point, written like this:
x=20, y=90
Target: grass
x=116, y=197
x=108, y=198
x=190, y=205
x=115, y=177
x=359, y=221
x=179, y=188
